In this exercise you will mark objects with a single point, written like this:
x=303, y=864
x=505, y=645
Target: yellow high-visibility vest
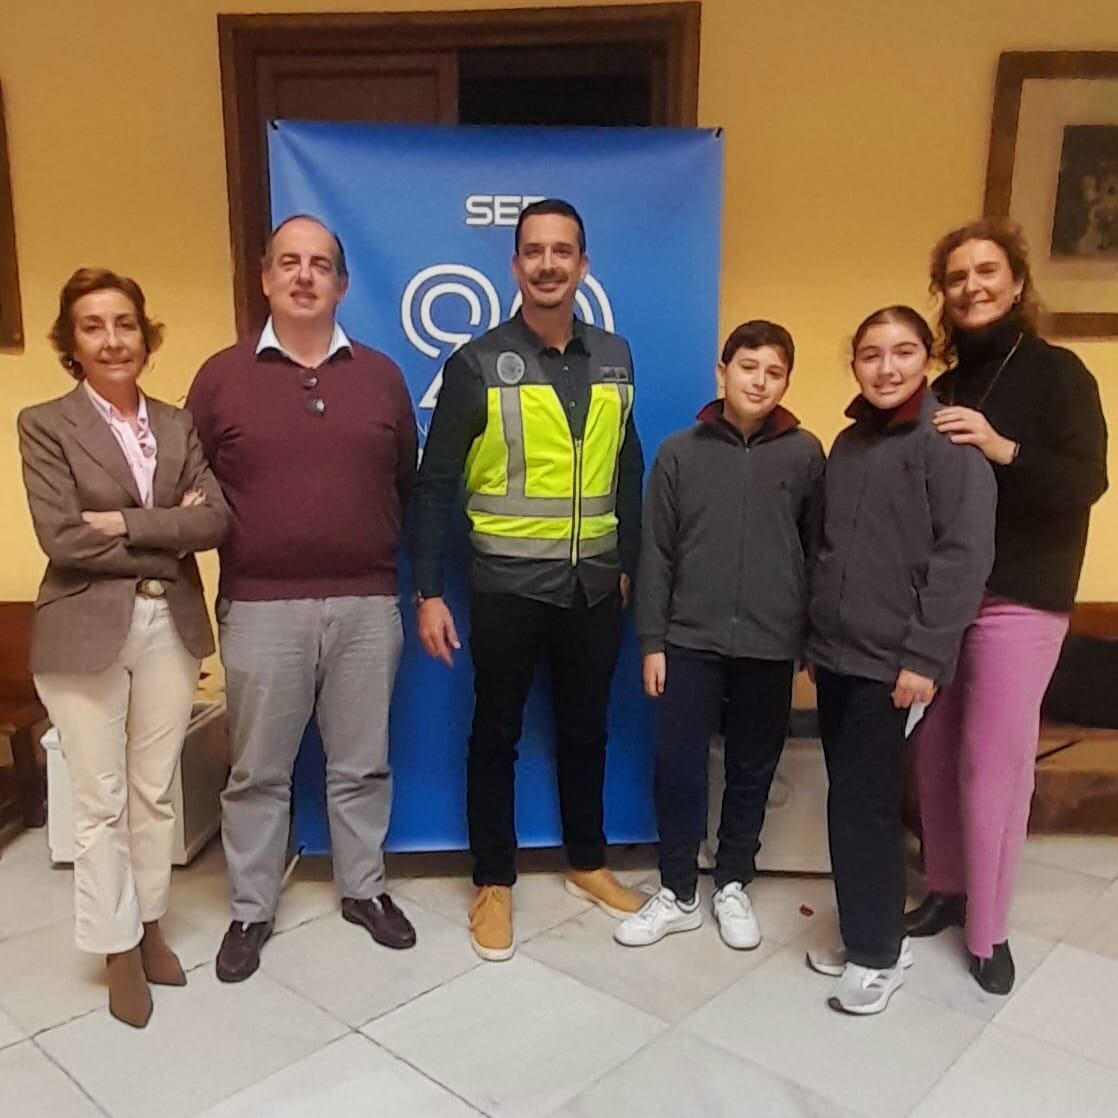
x=533, y=490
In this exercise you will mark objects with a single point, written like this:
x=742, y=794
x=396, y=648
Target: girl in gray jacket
x=908, y=543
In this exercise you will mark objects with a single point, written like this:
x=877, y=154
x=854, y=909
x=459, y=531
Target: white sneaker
x=661, y=915
x=734, y=912
x=862, y=990
x=832, y=960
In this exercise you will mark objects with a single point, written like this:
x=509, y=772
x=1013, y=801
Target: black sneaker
x=239, y=955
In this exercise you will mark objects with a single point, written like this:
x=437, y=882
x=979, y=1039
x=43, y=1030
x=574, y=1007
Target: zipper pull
x=576, y=503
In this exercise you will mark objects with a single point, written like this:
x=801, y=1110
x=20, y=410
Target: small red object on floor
x=806, y=910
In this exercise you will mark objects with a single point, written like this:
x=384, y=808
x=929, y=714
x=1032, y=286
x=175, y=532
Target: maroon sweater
x=317, y=499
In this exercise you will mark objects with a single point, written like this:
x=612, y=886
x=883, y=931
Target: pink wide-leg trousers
x=975, y=761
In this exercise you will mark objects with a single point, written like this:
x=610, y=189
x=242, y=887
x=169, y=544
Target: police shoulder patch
x=614, y=373
x=510, y=367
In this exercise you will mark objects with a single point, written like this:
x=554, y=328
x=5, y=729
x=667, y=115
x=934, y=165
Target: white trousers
x=122, y=733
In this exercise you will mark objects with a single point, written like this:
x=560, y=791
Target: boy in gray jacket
x=731, y=514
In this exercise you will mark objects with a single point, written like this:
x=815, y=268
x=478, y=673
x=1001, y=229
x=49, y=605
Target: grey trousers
x=284, y=660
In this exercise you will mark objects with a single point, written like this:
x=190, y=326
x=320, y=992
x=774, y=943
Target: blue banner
x=426, y=215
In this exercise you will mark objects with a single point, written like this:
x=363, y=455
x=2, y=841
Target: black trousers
x=864, y=744
x=758, y=696
x=509, y=635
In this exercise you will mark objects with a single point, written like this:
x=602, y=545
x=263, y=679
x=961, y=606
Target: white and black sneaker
x=737, y=923
x=832, y=961
x=662, y=914
x=863, y=990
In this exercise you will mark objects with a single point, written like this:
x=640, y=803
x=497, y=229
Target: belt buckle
x=151, y=588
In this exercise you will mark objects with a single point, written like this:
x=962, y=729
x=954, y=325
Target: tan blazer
x=72, y=463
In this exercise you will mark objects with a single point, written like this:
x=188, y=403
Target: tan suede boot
x=491, y=923
x=129, y=996
x=604, y=890
x=161, y=964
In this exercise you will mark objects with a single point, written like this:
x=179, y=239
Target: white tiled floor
x=574, y=1026
x=10, y=1032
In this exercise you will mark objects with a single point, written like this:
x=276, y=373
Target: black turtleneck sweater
x=1045, y=400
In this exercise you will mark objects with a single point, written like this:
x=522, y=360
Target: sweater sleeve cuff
x=134, y=521
x=652, y=644
x=1013, y=462
x=427, y=580
x=921, y=665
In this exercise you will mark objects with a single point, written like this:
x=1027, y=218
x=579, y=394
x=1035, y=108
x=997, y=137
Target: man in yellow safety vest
x=537, y=416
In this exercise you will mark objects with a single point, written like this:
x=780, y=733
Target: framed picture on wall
x=1053, y=168
x=11, y=317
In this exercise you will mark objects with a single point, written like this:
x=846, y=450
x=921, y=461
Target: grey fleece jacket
x=908, y=544
x=730, y=527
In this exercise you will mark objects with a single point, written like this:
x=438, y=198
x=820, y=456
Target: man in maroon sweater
x=312, y=437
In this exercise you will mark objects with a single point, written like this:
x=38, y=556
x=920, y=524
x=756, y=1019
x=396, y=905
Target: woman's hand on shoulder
x=971, y=428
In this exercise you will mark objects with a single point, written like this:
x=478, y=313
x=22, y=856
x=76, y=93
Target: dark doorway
x=560, y=85
x=607, y=65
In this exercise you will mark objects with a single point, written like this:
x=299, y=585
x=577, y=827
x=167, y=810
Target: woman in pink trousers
x=1033, y=410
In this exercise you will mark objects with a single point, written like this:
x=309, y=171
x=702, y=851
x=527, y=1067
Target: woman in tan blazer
x=121, y=496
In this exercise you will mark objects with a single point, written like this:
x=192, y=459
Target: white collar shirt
x=270, y=340
x=134, y=437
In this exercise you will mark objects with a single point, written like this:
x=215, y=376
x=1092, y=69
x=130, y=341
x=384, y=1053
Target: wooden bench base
x=25, y=783
x=1077, y=787
x=1077, y=766
x=26, y=798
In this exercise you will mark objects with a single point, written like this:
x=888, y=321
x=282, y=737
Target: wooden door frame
x=11, y=313
x=245, y=40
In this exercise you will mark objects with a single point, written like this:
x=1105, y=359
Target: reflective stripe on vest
x=533, y=490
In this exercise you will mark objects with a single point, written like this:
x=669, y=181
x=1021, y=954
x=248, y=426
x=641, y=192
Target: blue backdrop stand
x=427, y=215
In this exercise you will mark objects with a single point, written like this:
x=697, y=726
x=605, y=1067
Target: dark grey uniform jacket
x=908, y=544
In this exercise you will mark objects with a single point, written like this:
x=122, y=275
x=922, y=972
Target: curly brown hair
x=1028, y=312
x=84, y=282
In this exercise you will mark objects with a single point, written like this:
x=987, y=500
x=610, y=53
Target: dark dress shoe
x=934, y=913
x=996, y=974
x=382, y=919
x=239, y=955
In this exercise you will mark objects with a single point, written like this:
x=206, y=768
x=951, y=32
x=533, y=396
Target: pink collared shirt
x=135, y=438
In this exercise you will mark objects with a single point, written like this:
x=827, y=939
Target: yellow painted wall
x=856, y=132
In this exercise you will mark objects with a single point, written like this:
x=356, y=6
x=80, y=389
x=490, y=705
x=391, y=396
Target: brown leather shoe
x=382, y=919
x=161, y=964
x=129, y=996
x=239, y=955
